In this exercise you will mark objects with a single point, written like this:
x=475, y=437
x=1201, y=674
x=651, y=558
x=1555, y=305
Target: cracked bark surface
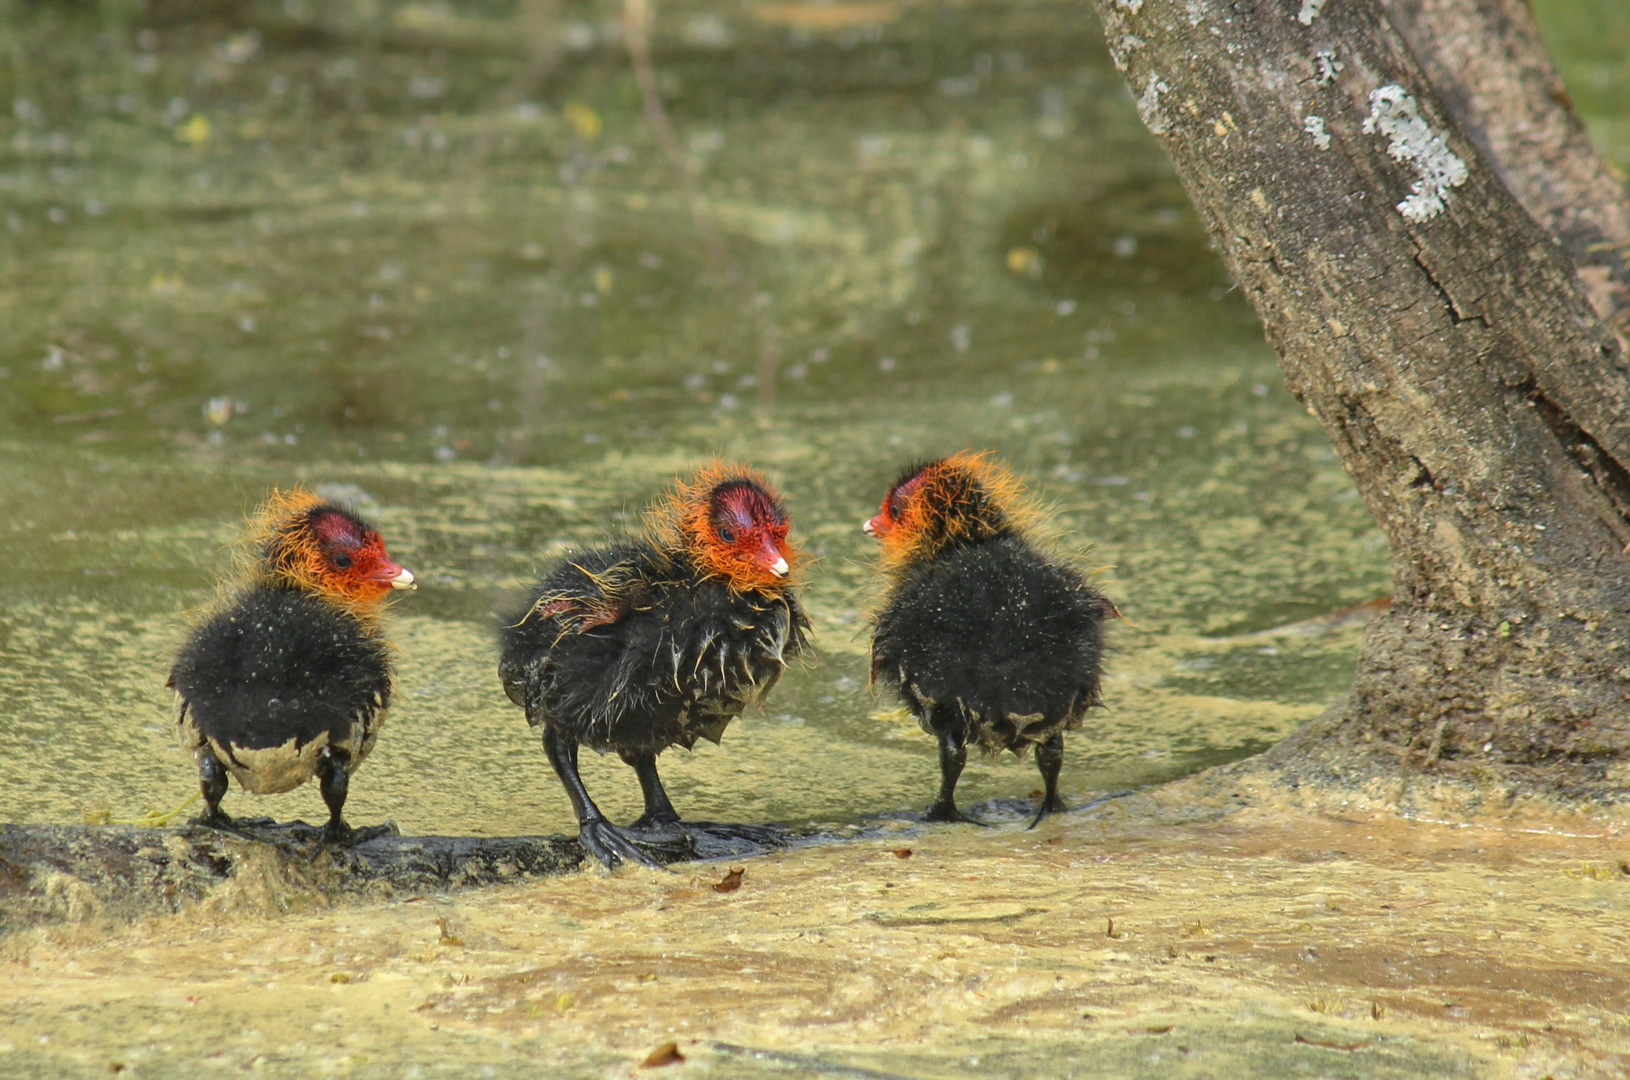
x=1489, y=67
x=1445, y=340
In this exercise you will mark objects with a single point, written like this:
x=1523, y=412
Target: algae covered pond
x=486, y=276
x=442, y=259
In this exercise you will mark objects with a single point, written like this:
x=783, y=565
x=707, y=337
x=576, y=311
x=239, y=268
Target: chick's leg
x=334, y=779
x=1050, y=759
x=951, y=727
x=658, y=810
x=212, y=783
x=599, y=837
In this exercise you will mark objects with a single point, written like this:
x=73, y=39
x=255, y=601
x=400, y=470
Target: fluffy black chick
x=291, y=677
x=985, y=638
x=657, y=640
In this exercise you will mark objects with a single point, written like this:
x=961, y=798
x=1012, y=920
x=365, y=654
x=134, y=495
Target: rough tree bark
x=1445, y=340
x=1490, y=69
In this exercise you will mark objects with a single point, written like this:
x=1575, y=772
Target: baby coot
x=290, y=677
x=657, y=640
x=985, y=637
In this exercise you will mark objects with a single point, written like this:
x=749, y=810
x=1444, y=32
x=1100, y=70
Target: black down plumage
x=276, y=671
x=997, y=632
x=626, y=648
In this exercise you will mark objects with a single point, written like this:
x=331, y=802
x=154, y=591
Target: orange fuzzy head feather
x=300, y=540
x=729, y=523
x=965, y=497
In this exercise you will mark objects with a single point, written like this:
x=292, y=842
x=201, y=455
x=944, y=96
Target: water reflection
x=474, y=263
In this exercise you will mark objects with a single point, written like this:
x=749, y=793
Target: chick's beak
x=869, y=526
x=397, y=577
x=774, y=561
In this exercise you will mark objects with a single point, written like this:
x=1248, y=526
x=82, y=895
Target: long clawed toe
x=655, y=823
x=609, y=844
x=951, y=815
x=227, y=824
x=1055, y=805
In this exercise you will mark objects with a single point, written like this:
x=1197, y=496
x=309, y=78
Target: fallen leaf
x=666, y=1054
x=1330, y=1045
x=1151, y=1030
x=1037, y=793
x=903, y=852
x=731, y=881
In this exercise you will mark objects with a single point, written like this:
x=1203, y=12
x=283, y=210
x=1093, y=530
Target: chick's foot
x=604, y=841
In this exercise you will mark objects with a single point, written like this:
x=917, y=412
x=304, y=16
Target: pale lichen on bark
x=1149, y=105
x=1395, y=114
x=1314, y=126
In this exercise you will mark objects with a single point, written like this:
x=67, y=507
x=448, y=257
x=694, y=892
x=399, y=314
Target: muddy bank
x=1208, y=926
x=73, y=874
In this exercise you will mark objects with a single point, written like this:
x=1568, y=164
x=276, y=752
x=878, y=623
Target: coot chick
x=290, y=678
x=657, y=640
x=986, y=638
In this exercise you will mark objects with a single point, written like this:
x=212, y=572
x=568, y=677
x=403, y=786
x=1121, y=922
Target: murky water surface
x=445, y=259
x=496, y=282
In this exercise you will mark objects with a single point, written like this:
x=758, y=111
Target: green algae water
x=495, y=271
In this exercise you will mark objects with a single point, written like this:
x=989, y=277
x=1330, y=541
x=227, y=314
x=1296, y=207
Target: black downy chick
x=985, y=638
x=657, y=640
x=291, y=678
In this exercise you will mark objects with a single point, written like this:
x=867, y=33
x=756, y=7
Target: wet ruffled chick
x=290, y=677
x=657, y=640
x=985, y=637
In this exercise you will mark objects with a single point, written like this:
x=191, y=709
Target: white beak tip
x=779, y=568
x=866, y=527
x=404, y=580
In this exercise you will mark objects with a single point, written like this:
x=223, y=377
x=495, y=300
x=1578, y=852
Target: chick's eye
x=727, y=535
x=342, y=561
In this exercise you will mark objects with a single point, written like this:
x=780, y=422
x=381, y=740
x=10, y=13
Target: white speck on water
x=1314, y=126
x=1149, y=103
x=1310, y=11
x=1395, y=114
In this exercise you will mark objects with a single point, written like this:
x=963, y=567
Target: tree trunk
x=1489, y=68
x=1444, y=339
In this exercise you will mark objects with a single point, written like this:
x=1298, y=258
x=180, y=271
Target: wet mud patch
x=1179, y=932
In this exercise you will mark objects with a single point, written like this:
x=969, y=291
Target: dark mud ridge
x=75, y=873
x=72, y=873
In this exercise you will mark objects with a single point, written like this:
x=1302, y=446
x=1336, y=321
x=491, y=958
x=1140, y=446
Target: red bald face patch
x=748, y=538
x=352, y=555
x=897, y=501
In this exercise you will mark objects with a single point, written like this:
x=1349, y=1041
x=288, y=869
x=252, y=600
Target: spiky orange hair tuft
x=283, y=549
x=967, y=496
x=682, y=520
